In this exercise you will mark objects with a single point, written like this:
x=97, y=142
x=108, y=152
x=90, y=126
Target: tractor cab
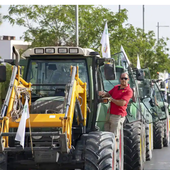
x=151, y=96
x=153, y=100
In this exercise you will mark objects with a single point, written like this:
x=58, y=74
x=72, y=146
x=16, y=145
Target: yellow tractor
x=61, y=132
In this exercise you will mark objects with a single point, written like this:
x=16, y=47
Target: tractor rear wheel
x=148, y=144
x=100, y=151
x=166, y=133
x=158, y=134
x=133, y=147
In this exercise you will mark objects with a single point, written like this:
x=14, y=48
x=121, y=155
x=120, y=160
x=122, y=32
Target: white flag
x=20, y=135
x=138, y=62
x=105, y=43
x=122, y=49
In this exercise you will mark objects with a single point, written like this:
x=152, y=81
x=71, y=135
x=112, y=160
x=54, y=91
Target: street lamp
x=143, y=19
x=119, y=8
x=77, y=23
x=158, y=29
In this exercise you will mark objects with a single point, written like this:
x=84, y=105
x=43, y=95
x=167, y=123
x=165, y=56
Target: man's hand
x=101, y=93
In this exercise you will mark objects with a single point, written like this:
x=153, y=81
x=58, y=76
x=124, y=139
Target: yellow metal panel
x=40, y=120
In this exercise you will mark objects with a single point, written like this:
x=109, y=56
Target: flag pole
x=101, y=51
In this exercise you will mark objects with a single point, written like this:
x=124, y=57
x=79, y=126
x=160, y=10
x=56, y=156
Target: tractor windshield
x=159, y=104
x=145, y=85
x=49, y=77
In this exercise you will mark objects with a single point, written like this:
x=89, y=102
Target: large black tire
x=100, y=151
x=120, y=151
x=133, y=155
x=3, y=161
x=166, y=132
x=158, y=134
x=148, y=144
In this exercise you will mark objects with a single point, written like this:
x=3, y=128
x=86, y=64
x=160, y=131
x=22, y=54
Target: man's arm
x=118, y=102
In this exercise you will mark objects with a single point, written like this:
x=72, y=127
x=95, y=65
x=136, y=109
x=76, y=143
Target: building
x=7, y=43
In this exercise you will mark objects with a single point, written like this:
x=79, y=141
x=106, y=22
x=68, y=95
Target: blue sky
x=153, y=15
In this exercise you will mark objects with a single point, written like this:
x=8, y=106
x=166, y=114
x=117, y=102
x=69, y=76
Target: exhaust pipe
x=15, y=51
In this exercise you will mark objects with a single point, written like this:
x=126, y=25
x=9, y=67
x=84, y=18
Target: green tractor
x=163, y=82
x=132, y=134
x=163, y=86
x=152, y=99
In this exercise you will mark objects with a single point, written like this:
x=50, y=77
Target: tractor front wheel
x=100, y=151
x=3, y=161
x=158, y=133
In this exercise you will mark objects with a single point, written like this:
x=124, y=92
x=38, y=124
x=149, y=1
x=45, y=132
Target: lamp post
x=77, y=27
x=158, y=29
x=143, y=19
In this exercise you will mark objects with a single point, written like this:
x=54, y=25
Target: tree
x=152, y=54
x=55, y=25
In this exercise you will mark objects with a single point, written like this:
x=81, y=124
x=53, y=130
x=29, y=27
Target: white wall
x=5, y=49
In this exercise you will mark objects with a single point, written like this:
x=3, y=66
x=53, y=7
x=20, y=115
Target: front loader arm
x=76, y=95
x=77, y=91
x=8, y=105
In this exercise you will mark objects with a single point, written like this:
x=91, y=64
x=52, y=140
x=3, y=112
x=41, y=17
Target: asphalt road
x=160, y=160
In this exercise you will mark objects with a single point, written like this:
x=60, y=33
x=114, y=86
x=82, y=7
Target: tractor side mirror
x=163, y=108
x=168, y=98
x=139, y=74
x=3, y=73
x=109, y=71
x=162, y=85
x=152, y=102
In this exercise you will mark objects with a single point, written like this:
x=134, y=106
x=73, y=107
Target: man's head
x=124, y=78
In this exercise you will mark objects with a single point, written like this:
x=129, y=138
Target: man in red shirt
x=119, y=98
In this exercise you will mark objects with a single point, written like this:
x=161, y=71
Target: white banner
x=20, y=135
x=138, y=62
x=122, y=49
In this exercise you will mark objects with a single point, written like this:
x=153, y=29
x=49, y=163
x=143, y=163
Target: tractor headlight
x=39, y=50
x=55, y=137
x=37, y=137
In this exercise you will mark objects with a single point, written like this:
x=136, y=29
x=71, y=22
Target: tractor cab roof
x=60, y=50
